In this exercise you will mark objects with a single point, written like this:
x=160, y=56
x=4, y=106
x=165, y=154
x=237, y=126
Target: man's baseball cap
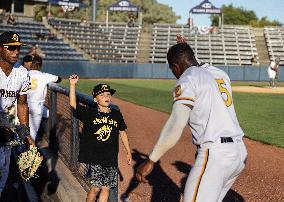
x=101, y=88
x=10, y=39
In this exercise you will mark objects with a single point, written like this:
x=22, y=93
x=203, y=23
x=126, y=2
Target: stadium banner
x=123, y=5
x=68, y=5
x=205, y=7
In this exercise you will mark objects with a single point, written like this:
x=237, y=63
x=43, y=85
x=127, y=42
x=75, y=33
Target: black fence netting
x=64, y=129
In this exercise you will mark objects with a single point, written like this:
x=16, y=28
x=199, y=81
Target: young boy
x=99, y=140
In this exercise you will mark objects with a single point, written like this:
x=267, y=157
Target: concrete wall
x=149, y=71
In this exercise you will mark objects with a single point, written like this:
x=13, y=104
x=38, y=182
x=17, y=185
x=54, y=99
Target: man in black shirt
x=99, y=140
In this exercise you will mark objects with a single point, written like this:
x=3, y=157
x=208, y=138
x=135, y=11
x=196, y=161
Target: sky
x=273, y=9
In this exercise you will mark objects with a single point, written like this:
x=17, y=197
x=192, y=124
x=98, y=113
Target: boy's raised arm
x=73, y=79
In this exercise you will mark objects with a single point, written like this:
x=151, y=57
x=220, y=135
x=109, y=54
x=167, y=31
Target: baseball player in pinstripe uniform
x=203, y=100
x=37, y=93
x=14, y=84
x=272, y=72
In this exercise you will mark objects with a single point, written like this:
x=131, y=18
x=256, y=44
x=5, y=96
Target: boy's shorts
x=99, y=176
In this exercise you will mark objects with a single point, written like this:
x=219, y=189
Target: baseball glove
x=29, y=161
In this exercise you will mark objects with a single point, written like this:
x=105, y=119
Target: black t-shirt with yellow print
x=99, y=138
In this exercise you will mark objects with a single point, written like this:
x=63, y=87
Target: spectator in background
x=11, y=19
x=40, y=35
x=49, y=15
x=213, y=30
x=190, y=22
x=131, y=21
x=36, y=50
x=254, y=61
x=27, y=61
x=194, y=30
x=84, y=22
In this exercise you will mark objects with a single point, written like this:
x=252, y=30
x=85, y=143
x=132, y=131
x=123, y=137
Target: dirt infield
x=255, y=89
x=262, y=180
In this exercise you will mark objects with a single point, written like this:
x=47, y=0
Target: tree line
x=241, y=16
x=153, y=12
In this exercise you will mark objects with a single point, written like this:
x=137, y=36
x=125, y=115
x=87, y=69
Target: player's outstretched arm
x=169, y=136
x=124, y=139
x=171, y=131
x=73, y=79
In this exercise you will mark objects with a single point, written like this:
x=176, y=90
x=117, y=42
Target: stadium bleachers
x=117, y=43
x=53, y=48
x=234, y=45
x=274, y=37
x=113, y=42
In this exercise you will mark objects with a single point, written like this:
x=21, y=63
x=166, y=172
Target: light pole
x=12, y=7
x=94, y=10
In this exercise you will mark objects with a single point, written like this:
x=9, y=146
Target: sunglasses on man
x=13, y=48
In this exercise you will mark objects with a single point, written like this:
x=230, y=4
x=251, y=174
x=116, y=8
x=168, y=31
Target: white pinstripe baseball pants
x=215, y=169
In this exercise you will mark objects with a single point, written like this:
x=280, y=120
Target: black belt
x=226, y=139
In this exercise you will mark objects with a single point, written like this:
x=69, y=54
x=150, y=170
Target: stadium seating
x=113, y=42
x=274, y=37
x=234, y=45
x=36, y=33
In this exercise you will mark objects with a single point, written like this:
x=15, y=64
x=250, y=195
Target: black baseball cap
x=28, y=58
x=101, y=88
x=10, y=39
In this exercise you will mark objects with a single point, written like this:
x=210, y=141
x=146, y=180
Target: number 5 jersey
x=208, y=90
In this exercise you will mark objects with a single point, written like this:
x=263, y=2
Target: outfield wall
x=147, y=71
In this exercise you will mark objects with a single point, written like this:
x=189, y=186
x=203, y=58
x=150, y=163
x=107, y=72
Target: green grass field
x=261, y=115
x=256, y=84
